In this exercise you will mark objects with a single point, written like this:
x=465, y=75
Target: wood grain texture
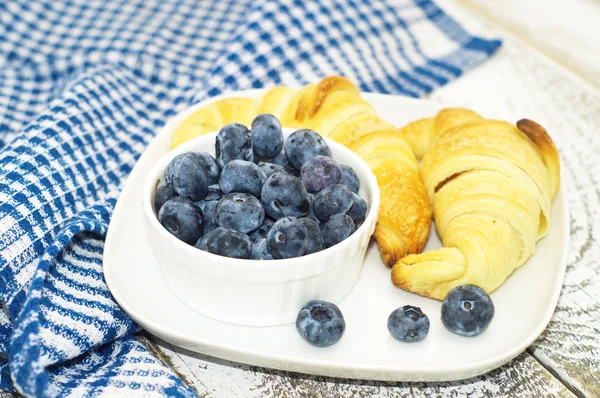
x=213, y=377
x=565, y=359
x=565, y=31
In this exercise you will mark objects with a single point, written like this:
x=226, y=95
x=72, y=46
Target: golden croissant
x=334, y=109
x=491, y=185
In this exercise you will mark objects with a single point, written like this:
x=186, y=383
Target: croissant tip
x=529, y=124
x=538, y=134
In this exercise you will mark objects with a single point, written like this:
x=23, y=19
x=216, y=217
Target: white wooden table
x=548, y=70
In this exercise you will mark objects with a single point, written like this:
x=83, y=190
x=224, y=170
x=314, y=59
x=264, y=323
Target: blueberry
x=349, y=178
x=163, y=193
x=233, y=142
x=320, y=172
x=287, y=238
x=337, y=229
x=209, y=211
x=467, y=310
x=311, y=214
x=229, y=243
x=282, y=160
x=200, y=204
x=242, y=177
x=408, y=324
x=314, y=239
x=260, y=251
x=240, y=212
x=358, y=209
x=284, y=195
x=202, y=242
x=271, y=168
x=209, y=165
x=262, y=231
x=320, y=323
x=182, y=218
x=187, y=176
x=266, y=136
x=302, y=145
x=335, y=199
x=214, y=193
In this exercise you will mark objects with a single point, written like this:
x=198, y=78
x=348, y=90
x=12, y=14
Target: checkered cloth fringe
x=85, y=85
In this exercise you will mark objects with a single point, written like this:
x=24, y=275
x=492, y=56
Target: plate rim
x=431, y=373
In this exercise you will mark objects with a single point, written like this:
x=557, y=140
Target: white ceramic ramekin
x=256, y=292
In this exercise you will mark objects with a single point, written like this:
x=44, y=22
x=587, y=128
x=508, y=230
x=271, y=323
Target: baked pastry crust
x=334, y=108
x=491, y=184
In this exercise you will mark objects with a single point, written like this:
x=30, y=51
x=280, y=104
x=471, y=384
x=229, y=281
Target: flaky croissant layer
x=334, y=109
x=491, y=184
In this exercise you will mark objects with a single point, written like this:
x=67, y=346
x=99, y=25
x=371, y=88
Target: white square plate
x=524, y=303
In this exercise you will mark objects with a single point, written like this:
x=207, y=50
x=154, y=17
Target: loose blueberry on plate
x=260, y=251
x=229, y=243
x=209, y=165
x=233, y=142
x=182, y=218
x=358, y=209
x=320, y=323
x=320, y=172
x=271, y=168
x=302, y=145
x=315, y=239
x=335, y=199
x=408, y=324
x=282, y=160
x=349, y=178
x=287, y=238
x=209, y=211
x=163, y=193
x=186, y=175
x=262, y=231
x=467, y=310
x=338, y=228
x=240, y=212
x=284, y=195
x=242, y=177
x=266, y=136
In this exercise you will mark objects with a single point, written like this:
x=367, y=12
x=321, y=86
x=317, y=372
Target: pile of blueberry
x=467, y=310
x=255, y=201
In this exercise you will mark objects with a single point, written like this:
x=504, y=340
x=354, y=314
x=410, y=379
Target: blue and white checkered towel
x=85, y=85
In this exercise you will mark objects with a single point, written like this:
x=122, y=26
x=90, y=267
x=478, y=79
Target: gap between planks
x=558, y=374
x=190, y=378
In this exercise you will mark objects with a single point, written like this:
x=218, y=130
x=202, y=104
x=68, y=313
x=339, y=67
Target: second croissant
x=491, y=184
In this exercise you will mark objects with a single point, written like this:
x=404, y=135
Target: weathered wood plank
x=564, y=31
x=212, y=377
